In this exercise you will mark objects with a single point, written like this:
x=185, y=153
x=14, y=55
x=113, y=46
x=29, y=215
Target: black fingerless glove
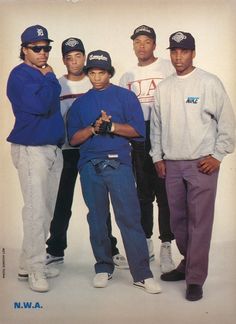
x=105, y=128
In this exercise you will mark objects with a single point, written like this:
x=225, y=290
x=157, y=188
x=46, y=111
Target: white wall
x=107, y=25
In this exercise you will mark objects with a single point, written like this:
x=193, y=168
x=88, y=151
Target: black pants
x=150, y=187
x=57, y=241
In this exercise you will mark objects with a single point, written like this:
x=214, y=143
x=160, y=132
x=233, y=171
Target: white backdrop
x=107, y=25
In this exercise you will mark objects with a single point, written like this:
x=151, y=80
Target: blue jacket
x=36, y=106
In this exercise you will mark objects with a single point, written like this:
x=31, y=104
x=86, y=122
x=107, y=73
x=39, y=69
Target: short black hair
x=80, y=51
x=111, y=71
x=22, y=54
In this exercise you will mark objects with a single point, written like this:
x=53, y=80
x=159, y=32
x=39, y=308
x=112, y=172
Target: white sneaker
x=38, y=281
x=149, y=285
x=166, y=262
x=49, y=272
x=150, y=249
x=101, y=279
x=53, y=259
x=120, y=261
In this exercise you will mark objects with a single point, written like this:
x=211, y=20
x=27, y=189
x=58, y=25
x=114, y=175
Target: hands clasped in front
x=103, y=124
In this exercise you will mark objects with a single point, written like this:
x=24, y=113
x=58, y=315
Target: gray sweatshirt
x=192, y=118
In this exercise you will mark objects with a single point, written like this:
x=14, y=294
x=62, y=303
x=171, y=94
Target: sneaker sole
x=58, y=261
x=97, y=286
x=147, y=290
x=194, y=298
x=22, y=277
x=124, y=267
x=25, y=277
x=41, y=290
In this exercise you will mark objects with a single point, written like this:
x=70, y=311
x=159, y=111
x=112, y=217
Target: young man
x=143, y=79
x=102, y=123
x=74, y=84
x=36, y=139
x=192, y=129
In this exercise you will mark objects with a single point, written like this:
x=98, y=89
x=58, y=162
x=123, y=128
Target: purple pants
x=191, y=197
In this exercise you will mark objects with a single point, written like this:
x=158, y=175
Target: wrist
x=93, y=131
x=112, y=128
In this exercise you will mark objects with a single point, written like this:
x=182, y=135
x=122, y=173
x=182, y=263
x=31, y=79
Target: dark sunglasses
x=38, y=49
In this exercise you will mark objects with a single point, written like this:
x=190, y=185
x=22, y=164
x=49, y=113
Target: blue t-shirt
x=124, y=108
x=36, y=105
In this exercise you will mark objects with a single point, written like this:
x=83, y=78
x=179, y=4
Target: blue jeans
x=118, y=182
x=57, y=242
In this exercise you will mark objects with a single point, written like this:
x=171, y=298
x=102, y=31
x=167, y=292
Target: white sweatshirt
x=143, y=80
x=192, y=118
x=70, y=90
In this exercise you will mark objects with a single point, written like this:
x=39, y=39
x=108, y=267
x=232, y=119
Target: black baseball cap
x=144, y=30
x=72, y=44
x=182, y=39
x=99, y=59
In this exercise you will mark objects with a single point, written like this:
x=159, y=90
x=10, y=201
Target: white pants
x=39, y=169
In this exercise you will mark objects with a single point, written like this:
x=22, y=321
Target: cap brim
x=111, y=70
x=37, y=40
x=144, y=34
x=73, y=50
x=171, y=47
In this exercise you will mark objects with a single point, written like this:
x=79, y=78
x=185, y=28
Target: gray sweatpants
x=191, y=196
x=39, y=169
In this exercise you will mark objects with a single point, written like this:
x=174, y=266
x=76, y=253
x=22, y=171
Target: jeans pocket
x=114, y=164
x=15, y=154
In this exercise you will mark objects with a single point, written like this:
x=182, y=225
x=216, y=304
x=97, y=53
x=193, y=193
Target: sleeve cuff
x=218, y=156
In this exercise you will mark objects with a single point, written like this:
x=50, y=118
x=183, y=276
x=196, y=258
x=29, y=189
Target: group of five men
x=169, y=135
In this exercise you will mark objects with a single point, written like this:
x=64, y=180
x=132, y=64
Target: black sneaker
x=173, y=275
x=194, y=292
